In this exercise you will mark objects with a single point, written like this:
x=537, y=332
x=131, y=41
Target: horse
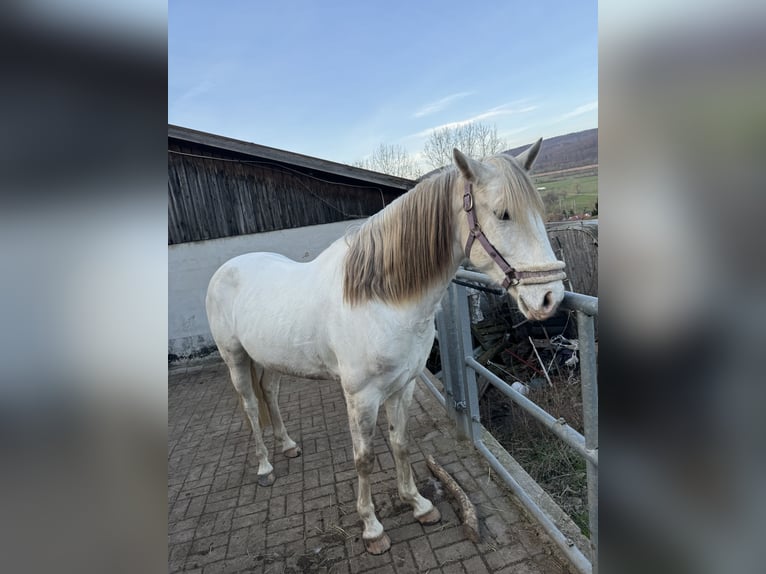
x=362, y=312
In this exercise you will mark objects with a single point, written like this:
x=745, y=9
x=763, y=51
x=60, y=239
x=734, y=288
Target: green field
x=577, y=194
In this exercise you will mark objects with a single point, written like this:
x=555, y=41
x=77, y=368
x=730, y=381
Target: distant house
x=227, y=197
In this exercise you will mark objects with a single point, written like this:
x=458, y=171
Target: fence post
x=448, y=322
x=589, y=383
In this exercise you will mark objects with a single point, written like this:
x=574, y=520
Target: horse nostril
x=548, y=301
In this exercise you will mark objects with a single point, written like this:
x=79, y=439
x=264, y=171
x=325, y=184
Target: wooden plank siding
x=215, y=192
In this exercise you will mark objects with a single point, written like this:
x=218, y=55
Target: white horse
x=362, y=313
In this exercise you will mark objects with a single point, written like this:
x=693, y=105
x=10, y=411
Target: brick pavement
x=220, y=520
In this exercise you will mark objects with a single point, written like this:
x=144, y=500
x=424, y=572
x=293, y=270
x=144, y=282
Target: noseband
x=546, y=273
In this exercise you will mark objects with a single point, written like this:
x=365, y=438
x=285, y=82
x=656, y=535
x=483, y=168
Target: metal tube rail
x=557, y=426
x=580, y=302
x=461, y=402
x=573, y=301
x=589, y=383
x=577, y=558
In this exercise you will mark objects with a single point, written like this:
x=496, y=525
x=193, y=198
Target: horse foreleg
x=270, y=384
x=239, y=369
x=397, y=410
x=362, y=417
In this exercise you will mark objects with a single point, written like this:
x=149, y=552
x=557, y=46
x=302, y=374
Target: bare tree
x=391, y=159
x=475, y=139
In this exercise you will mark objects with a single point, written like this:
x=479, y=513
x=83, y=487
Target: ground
x=220, y=520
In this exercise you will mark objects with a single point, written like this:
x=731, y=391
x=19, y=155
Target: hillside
x=564, y=152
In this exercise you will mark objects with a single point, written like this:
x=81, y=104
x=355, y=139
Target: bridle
x=545, y=273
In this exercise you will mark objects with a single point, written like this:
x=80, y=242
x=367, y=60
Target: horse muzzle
x=539, y=301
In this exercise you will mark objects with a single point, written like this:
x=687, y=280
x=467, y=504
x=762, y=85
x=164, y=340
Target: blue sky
x=334, y=79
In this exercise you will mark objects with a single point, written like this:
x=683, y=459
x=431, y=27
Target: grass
x=576, y=193
x=558, y=469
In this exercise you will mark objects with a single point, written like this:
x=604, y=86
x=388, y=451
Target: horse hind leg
x=397, y=411
x=270, y=385
x=241, y=377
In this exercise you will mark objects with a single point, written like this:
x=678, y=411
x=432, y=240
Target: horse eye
x=505, y=216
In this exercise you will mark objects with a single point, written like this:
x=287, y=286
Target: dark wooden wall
x=210, y=198
x=576, y=243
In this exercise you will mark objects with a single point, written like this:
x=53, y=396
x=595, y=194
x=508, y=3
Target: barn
x=227, y=197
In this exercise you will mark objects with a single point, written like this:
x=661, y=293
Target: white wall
x=191, y=265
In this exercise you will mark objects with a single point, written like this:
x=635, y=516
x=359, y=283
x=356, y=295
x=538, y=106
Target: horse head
x=506, y=236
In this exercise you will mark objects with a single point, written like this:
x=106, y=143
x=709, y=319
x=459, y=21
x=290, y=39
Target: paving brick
x=402, y=559
x=289, y=522
x=318, y=491
x=405, y=532
x=181, y=525
x=475, y=565
x=284, y=536
x=500, y=530
x=506, y=555
x=232, y=565
x=345, y=491
x=440, y=536
x=221, y=505
x=321, y=502
x=181, y=536
x=422, y=553
x=207, y=550
x=177, y=554
x=277, y=507
x=294, y=504
x=325, y=476
x=196, y=506
x=457, y=551
x=364, y=562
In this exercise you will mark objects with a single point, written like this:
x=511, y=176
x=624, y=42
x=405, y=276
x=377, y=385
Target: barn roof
x=313, y=165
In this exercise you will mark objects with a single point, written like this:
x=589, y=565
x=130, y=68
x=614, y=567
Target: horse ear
x=529, y=155
x=469, y=167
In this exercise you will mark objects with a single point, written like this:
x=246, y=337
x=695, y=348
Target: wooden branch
x=545, y=371
x=467, y=509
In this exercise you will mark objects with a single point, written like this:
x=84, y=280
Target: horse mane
x=404, y=249
x=519, y=194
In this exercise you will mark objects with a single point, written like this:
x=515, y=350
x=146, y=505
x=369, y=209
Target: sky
x=334, y=79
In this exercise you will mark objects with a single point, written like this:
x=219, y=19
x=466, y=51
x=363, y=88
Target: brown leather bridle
x=546, y=273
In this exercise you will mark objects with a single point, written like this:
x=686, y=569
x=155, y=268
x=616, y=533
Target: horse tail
x=257, y=374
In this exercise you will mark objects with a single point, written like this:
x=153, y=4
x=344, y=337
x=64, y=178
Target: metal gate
x=460, y=398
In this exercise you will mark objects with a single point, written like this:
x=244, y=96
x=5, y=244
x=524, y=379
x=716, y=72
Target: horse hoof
x=379, y=545
x=429, y=518
x=266, y=479
x=293, y=452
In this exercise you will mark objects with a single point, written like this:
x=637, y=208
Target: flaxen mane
x=521, y=197
x=404, y=249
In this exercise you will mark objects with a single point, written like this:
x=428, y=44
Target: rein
x=539, y=274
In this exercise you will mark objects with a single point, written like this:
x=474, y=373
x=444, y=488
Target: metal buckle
x=467, y=201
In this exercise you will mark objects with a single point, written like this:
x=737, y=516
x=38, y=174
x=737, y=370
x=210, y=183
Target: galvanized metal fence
x=460, y=398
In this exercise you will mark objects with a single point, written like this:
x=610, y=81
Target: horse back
x=276, y=309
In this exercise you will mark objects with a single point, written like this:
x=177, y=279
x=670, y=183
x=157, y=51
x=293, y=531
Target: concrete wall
x=191, y=265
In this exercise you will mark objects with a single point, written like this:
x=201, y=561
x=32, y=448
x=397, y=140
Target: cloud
x=439, y=105
x=501, y=110
x=579, y=110
x=192, y=93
